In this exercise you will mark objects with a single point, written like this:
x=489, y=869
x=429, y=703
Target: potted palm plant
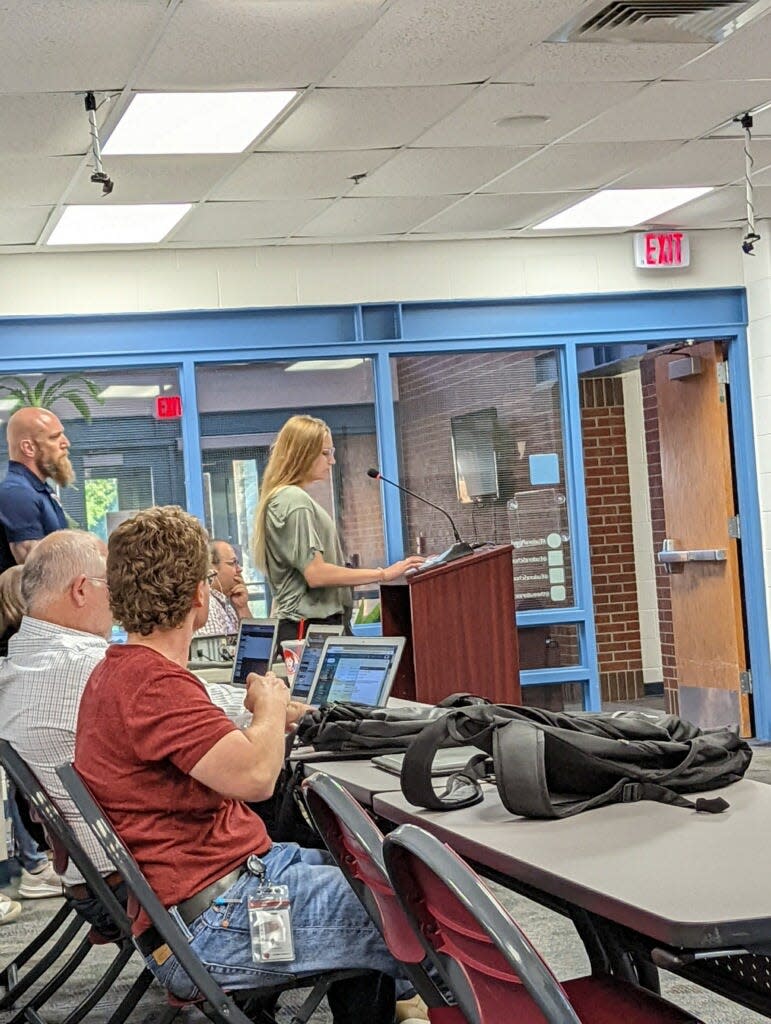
x=72, y=387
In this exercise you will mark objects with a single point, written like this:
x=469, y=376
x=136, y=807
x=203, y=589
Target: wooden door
x=699, y=503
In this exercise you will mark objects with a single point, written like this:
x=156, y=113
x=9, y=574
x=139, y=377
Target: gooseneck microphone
x=459, y=548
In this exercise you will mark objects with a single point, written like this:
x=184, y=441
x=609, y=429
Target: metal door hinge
x=745, y=682
x=734, y=528
x=723, y=374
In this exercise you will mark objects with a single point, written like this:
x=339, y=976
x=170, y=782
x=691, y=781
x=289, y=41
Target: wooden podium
x=459, y=623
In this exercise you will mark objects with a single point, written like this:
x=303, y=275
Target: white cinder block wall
x=60, y=283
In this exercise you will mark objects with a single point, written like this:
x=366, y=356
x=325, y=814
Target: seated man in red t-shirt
x=173, y=773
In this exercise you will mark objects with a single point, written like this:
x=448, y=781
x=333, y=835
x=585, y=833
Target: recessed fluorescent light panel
x=116, y=225
x=194, y=122
x=130, y=391
x=6, y=404
x=323, y=364
x=621, y=208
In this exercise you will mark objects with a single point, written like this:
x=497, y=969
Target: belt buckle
x=630, y=794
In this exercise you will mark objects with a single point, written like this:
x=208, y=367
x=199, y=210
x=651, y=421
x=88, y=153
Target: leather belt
x=82, y=892
x=150, y=940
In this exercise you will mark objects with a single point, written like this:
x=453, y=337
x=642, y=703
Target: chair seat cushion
x=605, y=1000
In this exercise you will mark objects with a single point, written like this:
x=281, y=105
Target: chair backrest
x=60, y=833
x=221, y=1006
x=483, y=955
x=356, y=844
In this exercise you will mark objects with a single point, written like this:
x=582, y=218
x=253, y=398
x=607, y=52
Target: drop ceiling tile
x=745, y=54
x=244, y=222
x=426, y=172
x=565, y=105
x=364, y=118
x=242, y=44
x=702, y=162
x=301, y=175
x=156, y=179
x=74, y=44
x=564, y=167
x=367, y=218
x=761, y=126
x=52, y=125
x=22, y=226
x=25, y=182
x=498, y=213
x=433, y=42
x=713, y=210
x=674, y=110
x=598, y=62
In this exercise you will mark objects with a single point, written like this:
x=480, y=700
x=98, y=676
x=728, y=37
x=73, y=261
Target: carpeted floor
x=552, y=934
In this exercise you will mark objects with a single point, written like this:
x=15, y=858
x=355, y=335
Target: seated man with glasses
x=173, y=776
x=229, y=601
x=62, y=637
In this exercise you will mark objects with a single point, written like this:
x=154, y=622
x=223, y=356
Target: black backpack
x=556, y=764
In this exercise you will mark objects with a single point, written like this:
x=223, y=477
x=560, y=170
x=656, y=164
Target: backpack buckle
x=631, y=793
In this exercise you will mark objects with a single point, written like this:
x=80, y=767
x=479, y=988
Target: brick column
x=611, y=541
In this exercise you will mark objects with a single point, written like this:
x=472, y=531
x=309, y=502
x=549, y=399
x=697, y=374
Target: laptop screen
x=306, y=670
x=254, y=650
x=357, y=671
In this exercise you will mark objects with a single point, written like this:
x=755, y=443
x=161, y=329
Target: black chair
x=65, y=842
x=356, y=844
x=216, y=1003
x=484, y=957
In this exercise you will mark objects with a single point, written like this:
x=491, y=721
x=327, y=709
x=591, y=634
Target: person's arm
x=20, y=549
x=244, y=765
x=319, y=573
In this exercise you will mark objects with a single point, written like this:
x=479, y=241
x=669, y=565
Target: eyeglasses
x=232, y=562
x=211, y=576
x=328, y=453
x=97, y=579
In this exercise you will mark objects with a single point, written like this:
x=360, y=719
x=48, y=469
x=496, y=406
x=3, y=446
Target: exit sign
x=661, y=249
x=168, y=407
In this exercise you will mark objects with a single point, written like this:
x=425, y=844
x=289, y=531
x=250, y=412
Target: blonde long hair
x=297, y=446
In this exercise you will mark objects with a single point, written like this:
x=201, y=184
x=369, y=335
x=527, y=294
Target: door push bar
x=674, y=561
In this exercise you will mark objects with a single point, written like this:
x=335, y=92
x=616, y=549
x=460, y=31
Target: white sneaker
x=37, y=885
x=9, y=909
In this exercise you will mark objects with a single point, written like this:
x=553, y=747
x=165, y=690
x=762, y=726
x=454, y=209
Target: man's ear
x=199, y=594
x=27, y=445
x=78, y=590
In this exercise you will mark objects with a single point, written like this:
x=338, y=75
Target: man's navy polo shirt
x=28, y=511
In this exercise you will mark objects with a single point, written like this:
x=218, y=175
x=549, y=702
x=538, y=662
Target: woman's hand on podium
x=393, y=572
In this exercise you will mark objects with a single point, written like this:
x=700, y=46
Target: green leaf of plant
x=39, y=392
x=79, y=402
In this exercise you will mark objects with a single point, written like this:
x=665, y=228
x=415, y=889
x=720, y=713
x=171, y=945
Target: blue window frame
x=563, y=325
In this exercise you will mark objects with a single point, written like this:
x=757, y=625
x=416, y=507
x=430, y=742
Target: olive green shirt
x=296, y=527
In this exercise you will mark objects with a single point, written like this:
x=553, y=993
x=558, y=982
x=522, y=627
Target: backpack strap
x=519, y=755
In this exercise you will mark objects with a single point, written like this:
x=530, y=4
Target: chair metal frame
x=62, y=836
x=356, y=844
x=220, y=1006
x=461, y=949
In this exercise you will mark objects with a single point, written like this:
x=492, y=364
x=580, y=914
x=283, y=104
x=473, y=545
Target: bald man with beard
x=29, y=510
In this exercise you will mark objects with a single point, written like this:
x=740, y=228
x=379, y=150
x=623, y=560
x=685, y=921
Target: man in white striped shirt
x=61, y=639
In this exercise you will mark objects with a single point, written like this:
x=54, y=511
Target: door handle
x=674, y=560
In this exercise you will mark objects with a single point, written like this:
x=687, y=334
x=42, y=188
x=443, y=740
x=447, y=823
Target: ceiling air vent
x=659, y=21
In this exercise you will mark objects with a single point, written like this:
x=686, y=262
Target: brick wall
x=611, y=541
x=658, y=527
x=360, y=519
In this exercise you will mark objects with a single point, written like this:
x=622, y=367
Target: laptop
x=214, y=648
x=446, y=761
x=306, y=670
x=356, y=669
x=255, y=649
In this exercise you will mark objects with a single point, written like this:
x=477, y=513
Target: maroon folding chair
x=486, y=960
x=356, y=844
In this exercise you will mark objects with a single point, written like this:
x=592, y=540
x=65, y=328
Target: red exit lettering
x=662, y=249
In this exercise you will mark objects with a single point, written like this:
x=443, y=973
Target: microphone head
x=373, y=473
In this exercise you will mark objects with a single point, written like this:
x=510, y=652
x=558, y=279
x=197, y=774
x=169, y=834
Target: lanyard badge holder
x=270, y=918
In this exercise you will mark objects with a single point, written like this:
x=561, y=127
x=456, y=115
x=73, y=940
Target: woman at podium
x=295, y=541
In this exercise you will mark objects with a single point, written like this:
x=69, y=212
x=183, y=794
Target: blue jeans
x=28, y=853
x=330, y=928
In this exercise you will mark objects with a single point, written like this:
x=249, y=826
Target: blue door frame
x=186, y=340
